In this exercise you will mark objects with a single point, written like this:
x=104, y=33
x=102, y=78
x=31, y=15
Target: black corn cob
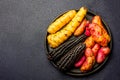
x=65, y=47
x=68, y=60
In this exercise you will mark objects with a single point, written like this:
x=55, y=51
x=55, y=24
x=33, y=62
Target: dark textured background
x=23, y=25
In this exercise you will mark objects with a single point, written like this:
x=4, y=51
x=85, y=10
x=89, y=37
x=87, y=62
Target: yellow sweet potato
x=59, y=37
x=61, y=21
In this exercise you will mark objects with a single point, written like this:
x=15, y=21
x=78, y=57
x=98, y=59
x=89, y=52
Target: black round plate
x=96, y=67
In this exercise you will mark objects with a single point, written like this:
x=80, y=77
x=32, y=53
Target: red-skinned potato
x=87, y=31
x=95, y=49
x=80, y=62
x=87, y=65
x=105, y=50
x=99, y=34
x=89, y=62
x=88, y=52
x=100, y=57
x=102, y=54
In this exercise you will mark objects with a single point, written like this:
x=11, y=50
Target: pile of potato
x=96, y=45
x=74, y=23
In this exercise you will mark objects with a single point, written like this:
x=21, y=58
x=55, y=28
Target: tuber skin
x=81, y=28
x=105, y=50
x=89, y=42
x=87, y=32
x=102, y=54
x=80, y=62
x=87, y=23
x=89, y=62
x=100, y=57
x=88, y=52
x=99, y=35
x=95, y=49
x=99, y=32
x=96, y=19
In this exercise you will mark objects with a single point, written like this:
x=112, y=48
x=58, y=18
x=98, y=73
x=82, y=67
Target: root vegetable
x=61, y=50
x=102, y=54
x=80, y=62
x=88, y=52
x=81, y=28
x=96, y=19
x=87, y=32
x=87, y=24
x=105, y=50
x=95, y=49
x=89, y=42
x=99, y=32
x=89, y=62
x=100, y=57
x=68, y=60
x=58, y=38
x=61, y=21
